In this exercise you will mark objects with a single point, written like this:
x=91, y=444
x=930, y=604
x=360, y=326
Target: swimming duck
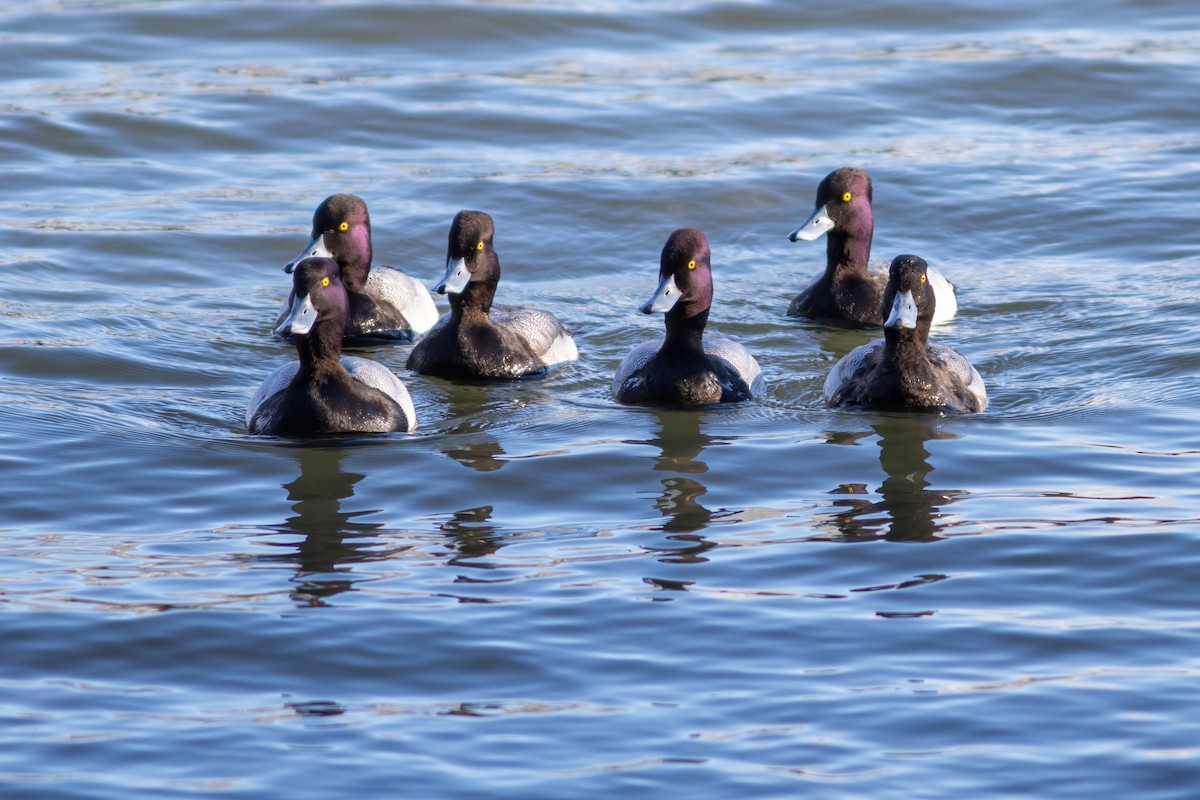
x=903, y=371
x=326, y=392
x=385, y=303
x=477, y=339
x=686, y=367
x=847, y=291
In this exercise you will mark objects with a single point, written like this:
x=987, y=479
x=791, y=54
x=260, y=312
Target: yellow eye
x=692, y=264
x=479, y=246
x=847, y=197
x=345, y=226
x=922, y=279
x=324, y=281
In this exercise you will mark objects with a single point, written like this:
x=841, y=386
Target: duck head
x=341, y=230
x=843, y=205
x=470, y=257
x=317, y=296
x=685, y=285
x=908, y=299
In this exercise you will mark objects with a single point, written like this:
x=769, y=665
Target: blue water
x=541, y=593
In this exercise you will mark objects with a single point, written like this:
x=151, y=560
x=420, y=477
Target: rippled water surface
x=540, y=593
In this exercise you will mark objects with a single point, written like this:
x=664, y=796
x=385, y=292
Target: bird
x=479, y=340
x=903, y=371
x=385, y=303
x=848, y=291
x=325, y=392
x=687, y=367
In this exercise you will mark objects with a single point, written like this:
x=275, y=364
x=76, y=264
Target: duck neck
x=355, y=263
x=320, y=349
x=473, y=302
x=685, y=329
x=906, y=344
x=848, y=252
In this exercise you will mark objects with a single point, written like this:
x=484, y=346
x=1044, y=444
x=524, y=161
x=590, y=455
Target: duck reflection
x=680, y=442
x=479, y=452
x=472, y=536
x=909, y=510
x=329, y=532
x=479, y=407
x=469, y=443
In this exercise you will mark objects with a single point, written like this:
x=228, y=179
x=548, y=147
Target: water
x=541, y=593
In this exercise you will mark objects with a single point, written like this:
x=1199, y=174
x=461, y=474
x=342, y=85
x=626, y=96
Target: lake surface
x=541, y=593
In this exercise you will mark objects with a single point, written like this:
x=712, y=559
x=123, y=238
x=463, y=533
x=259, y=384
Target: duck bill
x=456, y=278
x=904, y=312
x=315, y=249
x=664, y=298
x=300, y=318
x=815, y=226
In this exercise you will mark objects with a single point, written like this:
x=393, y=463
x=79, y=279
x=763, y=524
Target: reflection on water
x=316, y=710
x=472, y=540
x=478, y=408
x=472, y=536
x=468, y=441
x=680, y=442
x=328, y=532
x=478, y=451
x=680, y=504
x=909, y=510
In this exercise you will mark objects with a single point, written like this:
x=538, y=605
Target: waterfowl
x=687, y=367
x=848, y=291
x=326, y=392
x=385, y=303
x=477, y=339
x=903, y=371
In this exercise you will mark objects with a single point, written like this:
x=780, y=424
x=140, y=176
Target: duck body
x=842, y=295
x=393, y=306
x=943, y=380
x=660, y=374
x=385, y=304
x=324, y=392
x=849, y=290
x=904, y=371
x=477, y=339
x=687, y=367
x=374, y=400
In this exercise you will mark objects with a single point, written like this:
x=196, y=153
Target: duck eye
x=922, y=279
x=479, y=246
x=345, y=226
x=692, y=264
x=324, y=281
x=847, y=197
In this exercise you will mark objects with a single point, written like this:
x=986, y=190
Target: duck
x=325, y=392
x=386, y=305
x=904, y=371
x=688, y=367
x=847, y=291
x=479, y=340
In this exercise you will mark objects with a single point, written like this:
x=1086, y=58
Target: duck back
x=373, y=400
x=725, y=373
